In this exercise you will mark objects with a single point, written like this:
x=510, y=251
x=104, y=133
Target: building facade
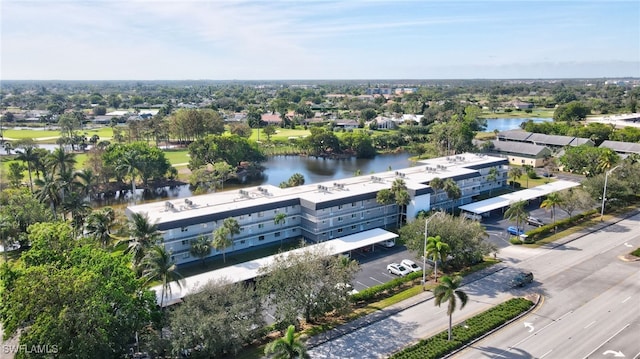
x=318, y=212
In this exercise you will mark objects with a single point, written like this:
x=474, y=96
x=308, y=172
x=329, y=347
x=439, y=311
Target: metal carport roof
x=249, y=270
x=526, y=194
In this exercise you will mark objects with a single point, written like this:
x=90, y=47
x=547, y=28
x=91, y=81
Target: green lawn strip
x=282, y=134
x=438, y=346
x=536, y=112
x=177, y=156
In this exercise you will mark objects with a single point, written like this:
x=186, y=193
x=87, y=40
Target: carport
x=483, y=208
x=249, y=270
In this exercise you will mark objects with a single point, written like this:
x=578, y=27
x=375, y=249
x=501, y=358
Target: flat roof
x=524, y=195
x=249, y=270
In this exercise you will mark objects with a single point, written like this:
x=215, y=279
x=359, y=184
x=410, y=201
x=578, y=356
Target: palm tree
x=60, y=160
x=438, y=251
x=87, y=182
x=447, y=291
x=28, y=156
x=385, y=197
x=143, y=235
x=402, y=200
x=99, y=224
x=221, y=241
x=49, y=192
x=516, y=212
x=76, y=205
x=453, y=191
x=287, y=347
x=158, y=266
x=552, y=200
x=296, y=179
x=515, y=173
x=437, y=184
x=232, y=226
x=492, y=177
x=128, y=165
x=201, y=248
x=280, y=219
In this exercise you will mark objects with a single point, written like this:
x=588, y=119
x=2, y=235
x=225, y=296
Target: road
x=591, y=305
x=592, y=302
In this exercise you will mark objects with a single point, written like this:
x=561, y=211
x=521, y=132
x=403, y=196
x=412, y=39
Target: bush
x=438, y=345
x=515, y=240
x=564, y=223
x=636, y=253
x=372, y=293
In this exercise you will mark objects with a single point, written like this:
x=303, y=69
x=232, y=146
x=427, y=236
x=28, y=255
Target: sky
x=317, y=40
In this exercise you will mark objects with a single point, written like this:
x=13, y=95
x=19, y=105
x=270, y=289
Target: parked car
x=397, y=269
x=515, y=231
x=410, y=265
x=521, y=279
x=535, y=221
x=388, y=243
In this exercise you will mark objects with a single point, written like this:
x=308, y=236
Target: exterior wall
x=520, y=160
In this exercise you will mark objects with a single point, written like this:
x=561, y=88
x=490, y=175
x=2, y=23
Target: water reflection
x=505, y=124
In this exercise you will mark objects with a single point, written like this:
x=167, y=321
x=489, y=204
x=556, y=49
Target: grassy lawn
x=282, y=134
x=177, y=156
x=45, y=136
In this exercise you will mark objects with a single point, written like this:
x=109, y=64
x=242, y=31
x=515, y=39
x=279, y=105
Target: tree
x=306, y=284
x=437, y=250
x=447, y=291
x=516, y=212
x=221, y=241
x=552, y=200
x=515, y=173
x=452, y=190
x=280, y=219
x=142, y=236
x=287, y=347
x=241, y=129
x=221, y=319
x=201, y=248
x=571, y=112
x=269, y=130
x=575, y=199
x=297, y=179
x=99, y=224
x=158, y=266
x=436, y=184
x=60, y=161
x=467, y=240
x=492, y=176
x=385, y=197
x=588, y=160
x=28, y=155
x=16, y=175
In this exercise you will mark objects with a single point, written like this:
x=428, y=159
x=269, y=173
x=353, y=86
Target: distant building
x=623, y=149
x=521, y=153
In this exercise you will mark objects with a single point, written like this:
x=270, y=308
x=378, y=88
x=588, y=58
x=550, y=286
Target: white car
x=410, y=265
x=397, y=269
x=388, y=243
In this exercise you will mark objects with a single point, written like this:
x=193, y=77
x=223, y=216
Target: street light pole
x=604, y=192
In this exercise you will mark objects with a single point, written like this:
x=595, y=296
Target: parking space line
x=375, y=280
x=388, y=275
x=366, y=286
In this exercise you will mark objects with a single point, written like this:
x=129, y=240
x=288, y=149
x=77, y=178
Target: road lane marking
x=536, y=333
x=545, y=354
x=590, y=324
x=606, y=341
x=624, y=301
x=375, y=280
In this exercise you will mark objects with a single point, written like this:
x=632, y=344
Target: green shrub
x=438, y=345
x=636, y=253
x=515, y=240
x=372, y=293
x=541, y=232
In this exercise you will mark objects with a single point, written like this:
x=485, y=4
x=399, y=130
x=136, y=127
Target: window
x=204, y=225
x=339, y=230
x=261, y=238
x=354, y=226
x=184, y=229
x=242, y=241
x=339, y=206
x=353, y=215
x=353, y=204
x=261, y=225
x=339, y=219
x=185, y=242
x=277, y=234
x=260, y=214
x=186, y=255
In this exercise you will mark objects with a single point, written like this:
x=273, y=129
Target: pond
x=505, y=124
x=278, y=170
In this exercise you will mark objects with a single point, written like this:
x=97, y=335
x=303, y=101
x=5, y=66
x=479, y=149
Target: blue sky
x=263, y=40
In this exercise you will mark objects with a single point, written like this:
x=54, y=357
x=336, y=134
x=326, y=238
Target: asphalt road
x=591, y=305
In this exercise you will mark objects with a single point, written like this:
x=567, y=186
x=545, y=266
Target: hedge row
x=372, y=293
x=562, y=224
x=438, y=345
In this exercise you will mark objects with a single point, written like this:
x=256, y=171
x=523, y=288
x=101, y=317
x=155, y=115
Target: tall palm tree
x=98, y=225
x=158, y=266
x=128, y=165
x=232, y=225
x=437, y=184
x=60, y=160
x=385, y=197
x=492, y=177
x=221, y=241
x=296, y=179
x=143, y=235
x=447, y=291
x=49, y=192
x=453, y=191
x=87, y=182
x=201, y=247
x=438, y=251
x=516, y=212
x=553, y=199
x=280, y=219
x=76, y=205
x=515, y=173
x=402, y=200
x=287, y=347
x=28, y=156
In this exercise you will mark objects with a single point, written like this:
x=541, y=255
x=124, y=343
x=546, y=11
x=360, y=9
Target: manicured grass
x=282, y=134
x=50, y=136
x=177, y=156
x=537, y=112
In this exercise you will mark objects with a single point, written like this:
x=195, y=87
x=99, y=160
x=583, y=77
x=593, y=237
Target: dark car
x=521, y=279
x=535, y=221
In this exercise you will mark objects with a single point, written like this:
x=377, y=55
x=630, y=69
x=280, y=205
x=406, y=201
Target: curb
x=525, y=313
